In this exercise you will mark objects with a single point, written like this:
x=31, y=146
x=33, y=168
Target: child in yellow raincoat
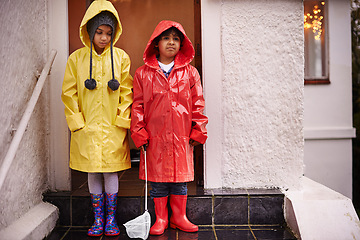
x=97, y=94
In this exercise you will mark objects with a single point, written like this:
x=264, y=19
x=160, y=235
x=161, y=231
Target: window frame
x=325, y=79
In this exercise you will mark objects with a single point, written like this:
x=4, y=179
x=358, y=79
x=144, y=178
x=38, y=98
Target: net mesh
x=139, y=227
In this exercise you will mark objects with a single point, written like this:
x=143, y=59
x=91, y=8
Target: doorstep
x=204, y=207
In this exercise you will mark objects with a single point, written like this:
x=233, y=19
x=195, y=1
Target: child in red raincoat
x=167, y=117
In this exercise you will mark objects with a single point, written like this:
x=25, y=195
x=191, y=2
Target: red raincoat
x=168, y=112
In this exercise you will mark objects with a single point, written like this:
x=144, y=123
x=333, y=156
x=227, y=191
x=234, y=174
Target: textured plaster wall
x=262, y=93
x=23, y=54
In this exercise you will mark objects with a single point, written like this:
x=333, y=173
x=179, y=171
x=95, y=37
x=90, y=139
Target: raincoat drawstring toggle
x=103, y=18
x=90, y=83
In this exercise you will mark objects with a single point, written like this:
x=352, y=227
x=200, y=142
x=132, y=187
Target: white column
x=212, y=74
x=59, y=173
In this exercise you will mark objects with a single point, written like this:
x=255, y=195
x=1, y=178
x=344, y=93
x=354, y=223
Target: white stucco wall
x=260, y=106
x=23, y=55
x=328, y=109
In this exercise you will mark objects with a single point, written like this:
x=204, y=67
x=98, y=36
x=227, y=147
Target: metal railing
x=5, y=166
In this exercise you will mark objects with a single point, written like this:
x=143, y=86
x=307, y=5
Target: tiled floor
x=204, y=233
x=212, y=227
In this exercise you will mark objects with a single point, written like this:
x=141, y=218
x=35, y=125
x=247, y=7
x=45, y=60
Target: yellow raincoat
x=98, y=119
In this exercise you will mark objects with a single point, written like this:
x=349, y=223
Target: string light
x=314, y=20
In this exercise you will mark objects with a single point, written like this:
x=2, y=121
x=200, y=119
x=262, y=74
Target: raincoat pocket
x=84, y=150
x=117, y=146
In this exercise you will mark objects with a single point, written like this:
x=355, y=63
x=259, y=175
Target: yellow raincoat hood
x=94, y=9
x=98, y=119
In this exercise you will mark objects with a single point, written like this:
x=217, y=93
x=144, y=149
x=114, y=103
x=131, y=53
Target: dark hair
x=167, y=33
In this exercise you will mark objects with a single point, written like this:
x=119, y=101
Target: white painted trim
x=35, y=224
x=212, y=75
x=317, y=212
x=59, y=171
x=329, y=133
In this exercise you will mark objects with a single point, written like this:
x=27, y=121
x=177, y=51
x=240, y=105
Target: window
x=316, y=44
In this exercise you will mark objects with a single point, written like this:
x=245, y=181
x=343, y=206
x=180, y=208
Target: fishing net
x=139, y=227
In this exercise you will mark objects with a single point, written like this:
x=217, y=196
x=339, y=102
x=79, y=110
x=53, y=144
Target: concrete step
x=206, y=207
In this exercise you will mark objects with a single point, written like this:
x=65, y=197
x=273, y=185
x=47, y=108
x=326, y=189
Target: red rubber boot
x=178, y=218
x=162, y=217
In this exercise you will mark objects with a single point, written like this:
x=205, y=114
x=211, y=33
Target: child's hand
x=143, y=147
x=193, y=143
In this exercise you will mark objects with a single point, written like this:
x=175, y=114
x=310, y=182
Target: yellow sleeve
x=69, y=96
x=126, y=94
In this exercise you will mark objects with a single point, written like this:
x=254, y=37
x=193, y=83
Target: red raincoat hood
x=185, y=55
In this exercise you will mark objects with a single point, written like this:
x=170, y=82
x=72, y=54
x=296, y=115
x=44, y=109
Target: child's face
x=169, y=46
x=102, y=38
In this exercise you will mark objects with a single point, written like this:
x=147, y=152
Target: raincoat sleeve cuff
x=75, y=121
x=140, y=138
x=198, y=136
x=122, y=122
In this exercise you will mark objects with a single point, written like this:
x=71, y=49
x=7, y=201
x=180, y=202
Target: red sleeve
x=138, y=132
x=199, y=120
